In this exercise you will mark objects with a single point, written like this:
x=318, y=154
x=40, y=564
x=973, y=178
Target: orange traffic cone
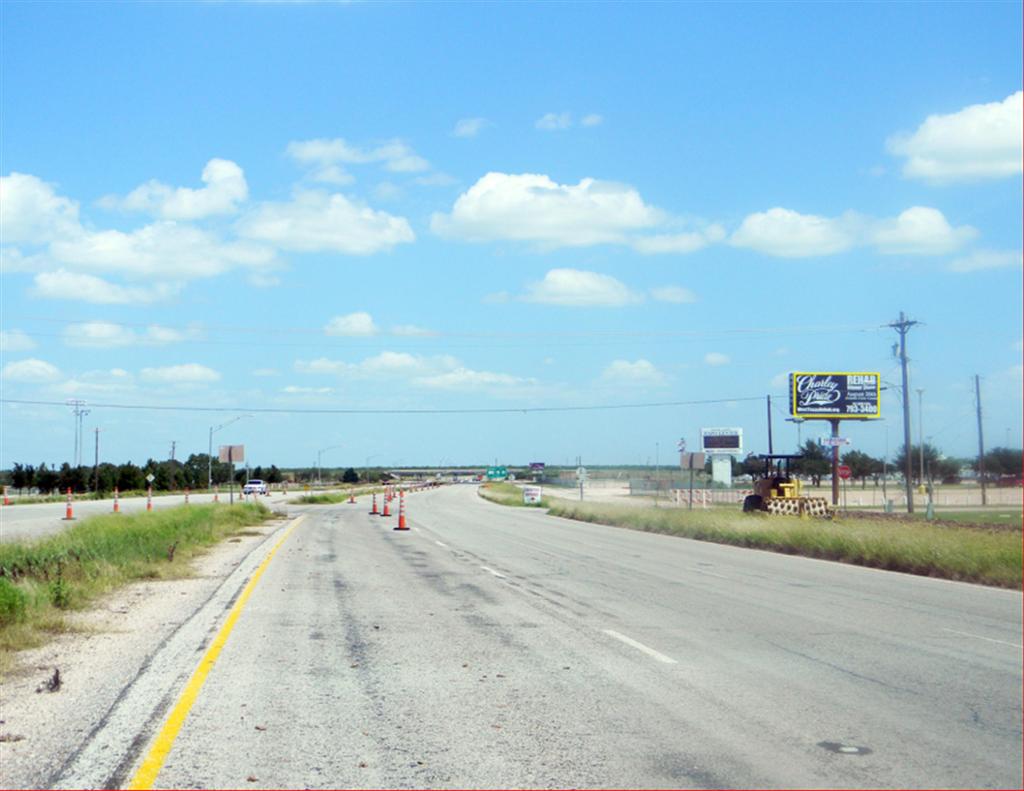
x=149, y=498
x=401, y=512
x=351, y=497
x=117, y=505
x=7, y=500
x=387, y=508
x=68, y=515
x=186, y=495
x=373, y=510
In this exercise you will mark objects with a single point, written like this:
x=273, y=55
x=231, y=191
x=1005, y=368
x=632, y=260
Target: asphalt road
x=497, y=647
x=36, y=520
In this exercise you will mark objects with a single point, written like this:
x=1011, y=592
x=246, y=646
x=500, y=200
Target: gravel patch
x=59, y=694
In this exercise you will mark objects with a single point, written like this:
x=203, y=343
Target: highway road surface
x=499, y=647
x=36, y=520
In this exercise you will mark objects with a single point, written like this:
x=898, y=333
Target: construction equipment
x=777, y=492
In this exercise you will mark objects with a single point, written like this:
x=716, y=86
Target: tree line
x=816, y=463
x=168, y=475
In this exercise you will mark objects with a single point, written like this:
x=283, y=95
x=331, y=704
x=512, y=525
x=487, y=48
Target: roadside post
x=231, y=454
x=843, y=472
x=117, y=505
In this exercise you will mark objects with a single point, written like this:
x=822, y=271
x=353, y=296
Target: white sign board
x=531, y=495
x=833, y=442
x=581, y=473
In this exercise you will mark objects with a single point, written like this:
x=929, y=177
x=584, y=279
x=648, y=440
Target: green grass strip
x=508, y=494
x=41, y=579
x=988, y=557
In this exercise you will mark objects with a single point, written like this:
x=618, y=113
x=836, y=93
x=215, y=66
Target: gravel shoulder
x=45, y=725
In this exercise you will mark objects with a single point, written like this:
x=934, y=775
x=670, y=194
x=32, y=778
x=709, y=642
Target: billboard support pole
x=835, y=462
x=770, y=451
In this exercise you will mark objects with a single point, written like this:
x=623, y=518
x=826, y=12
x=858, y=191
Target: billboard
x=832, y=395
x=721, y=440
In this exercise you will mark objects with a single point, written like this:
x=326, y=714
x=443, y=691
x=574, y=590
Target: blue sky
x=237, y=207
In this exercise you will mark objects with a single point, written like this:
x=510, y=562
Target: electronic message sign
x=721, y=440
x=835, y=396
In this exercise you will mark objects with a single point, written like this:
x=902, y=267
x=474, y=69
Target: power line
x=482, y=410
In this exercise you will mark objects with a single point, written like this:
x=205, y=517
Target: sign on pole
x=497, y=473
x=844, y=471
x=531, y=495
x=833, y=442
x=232, y=453
x=722, y=440
x=834, y=396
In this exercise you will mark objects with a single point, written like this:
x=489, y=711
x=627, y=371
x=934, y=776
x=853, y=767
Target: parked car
x=255, y=486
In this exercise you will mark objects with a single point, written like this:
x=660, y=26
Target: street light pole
x=319, y=480
x=209, y=455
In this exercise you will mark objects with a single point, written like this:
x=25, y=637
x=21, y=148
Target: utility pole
x=96, y=465
x=79, y=413
x=770, y=451
x=903, y=327
x=981, y=441
x=920, y=434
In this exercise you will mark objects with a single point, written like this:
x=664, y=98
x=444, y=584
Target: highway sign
x=844, y=471
x=150, y=478
x=497, y=473
x=581, y=473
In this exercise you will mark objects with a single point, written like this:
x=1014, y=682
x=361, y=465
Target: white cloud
x=788, y=234
x=982, y=141
x=593, y=119
x=553, y=122
x=360, y=323
x=682, y=243
x=470, y=127
x=395, y=155
x=105, y=334
x=266, y=372
x=384, y=365
x=31, y=212
x=15, y=341
x=88, y=288
x=315, y=221
x=576, y=288
x=115, y=380
x=296, y=390
x=716, y=359
x=31, y=371
x=189, y=373
x=639, y=373
x=784, y=233
x=919, y=231
x=988, y=259
x=225, y=189
x=674, y=294
x=467, y=379
x=162, y=249
x=533, y=208
x=411, y=330
x=332, y=174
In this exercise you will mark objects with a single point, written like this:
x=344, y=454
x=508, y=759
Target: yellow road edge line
x=146, y=776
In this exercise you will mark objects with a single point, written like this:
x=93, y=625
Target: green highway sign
x=497, y=473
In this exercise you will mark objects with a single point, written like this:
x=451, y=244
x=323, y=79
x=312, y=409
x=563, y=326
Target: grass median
x=964, y=553
x=509, y=494
x=41, y=580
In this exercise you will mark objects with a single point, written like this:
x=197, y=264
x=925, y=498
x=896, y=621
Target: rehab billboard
x=831, y=395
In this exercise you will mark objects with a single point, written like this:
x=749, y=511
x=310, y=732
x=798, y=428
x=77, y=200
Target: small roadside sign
x=844, y=471
x=531, y=495
x=150, y=478
x=833, y=442
x=581, y=473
